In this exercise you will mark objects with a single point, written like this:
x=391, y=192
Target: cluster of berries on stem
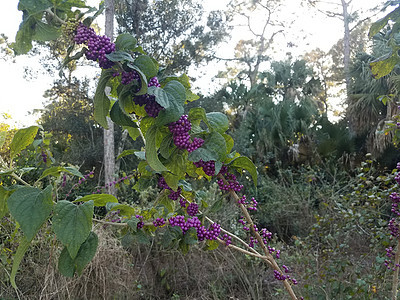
x=180, y=134
x=98, y=46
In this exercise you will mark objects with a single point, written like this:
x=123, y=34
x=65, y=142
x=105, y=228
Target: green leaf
x=34, y=6
x=125, y=41
x=98, y=199
x=146, y=65
x=124, y=210
x=66, y=264
x=19, y=255
x=190, y=236
x=119, y=117
x=134, y=133
x=56, y=171
x=73, y=171
x=198, y=113
x=384, y=66
x=30, y=207
x=86, y=252
x=120, y=56
x=45, y=32
x=142, y=237
x=211, y=245
x=23, y=39
x=378, y=25
x=101, y=101
x=151, y=151
x=217, y=206
x=161, y=96
x=22, y=139
x=185, y=81
x=132, y=223
x=218, y=121
x=72, y=224
x=167, y=146
x=229, y=142
x=244, y=162
x=214, y=148
x=176, y=99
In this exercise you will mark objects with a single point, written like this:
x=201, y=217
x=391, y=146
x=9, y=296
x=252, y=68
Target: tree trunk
x=346, y=45
x=109, y=152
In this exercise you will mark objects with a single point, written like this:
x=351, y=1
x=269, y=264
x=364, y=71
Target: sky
x=19, y=96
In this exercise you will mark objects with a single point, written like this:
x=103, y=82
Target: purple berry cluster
x=252, y=205
x=98, y=46
x=227, y=239
x=173, y=195
x=128, y=77
x=279, y=276
x=211, y=233
x=159, y=222
x=119, y=180
x=44, y=156
x=140, y=224
x=207, y=166
x=192, y=209
x=113, y=216
x=151, y=106
x=180, y=133
x=231, y=183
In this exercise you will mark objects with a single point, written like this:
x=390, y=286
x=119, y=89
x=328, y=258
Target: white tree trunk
x=109, y=152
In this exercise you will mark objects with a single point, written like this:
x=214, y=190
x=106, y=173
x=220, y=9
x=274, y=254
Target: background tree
x=189, y=37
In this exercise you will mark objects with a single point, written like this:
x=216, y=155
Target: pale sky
x=19, y=96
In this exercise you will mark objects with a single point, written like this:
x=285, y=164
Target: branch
x=50, y=12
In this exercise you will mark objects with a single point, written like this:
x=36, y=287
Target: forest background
x=323, y=186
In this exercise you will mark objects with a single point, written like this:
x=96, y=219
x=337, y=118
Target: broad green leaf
x=140, y=154
x=142, y=237
x=211, y=245
x=30, y=207
x=125, y=96
x=73, y=171
x=124, y=210
x=126, y=153
x=134, y=133
x=217, y=206
x=98, y=199
x=176, y=98
x=190, y=236
x=23, y=39
x=214, y=148
x=218, y=121
x=176, y=90
x=229, y=142
x=198, y=113
x=22, y=139
x=86, y=252
x=3, y=135
x=167, y=146
x=151, y=151
x=384, y=66
x=132, y=223
x=45, y=32
x=244, y=162
x=101, y=101
x=119, y=117
x=146, y=65
x=184, y=80
x=161, y=96
x=66, y=264
x=72, y=224
x=125, y=41
x=378, y=25
x=146, y=123
x=19, y=255
x=34, y=6
x=120, y=56
x=56, y=171
x=172, y=180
